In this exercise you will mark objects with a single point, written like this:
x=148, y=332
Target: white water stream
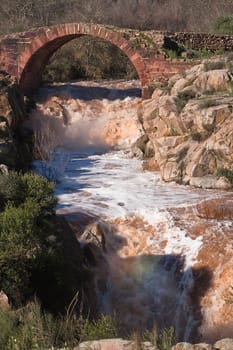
x=149, y=259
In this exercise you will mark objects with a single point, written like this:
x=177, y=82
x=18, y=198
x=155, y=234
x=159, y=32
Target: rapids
x=155, y=272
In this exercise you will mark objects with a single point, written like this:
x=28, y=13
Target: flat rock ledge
x=120, y=344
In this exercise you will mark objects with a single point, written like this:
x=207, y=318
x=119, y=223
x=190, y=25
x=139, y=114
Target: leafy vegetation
x=88, y=58
x=164, y=340
x=174, y=15
x=26, y=199
x=206, y=103
x=228, y=173
x=213, y=65
x=33, y=257
x=31, y=328
x=182, y=98
x=224, y=25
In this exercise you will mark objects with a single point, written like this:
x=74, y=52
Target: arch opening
x=36, y=59
x=88, y=58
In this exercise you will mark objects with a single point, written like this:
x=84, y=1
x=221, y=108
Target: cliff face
x=189, y=124
x=14, y=152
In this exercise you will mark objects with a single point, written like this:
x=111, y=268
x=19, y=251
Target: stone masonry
x=24, y=55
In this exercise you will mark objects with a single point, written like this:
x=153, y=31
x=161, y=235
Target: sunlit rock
x=4, y=304
x=213, y=80
x=114, y=344
x=196, y=108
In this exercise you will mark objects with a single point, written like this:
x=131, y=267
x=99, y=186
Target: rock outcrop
x=13, y=110
x=120, y=344
x=189, y=123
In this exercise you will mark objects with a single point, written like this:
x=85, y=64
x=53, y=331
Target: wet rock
x=218, y=208
x=150, y=164
x=95, y=233
x=211, y=181
x=137, y=153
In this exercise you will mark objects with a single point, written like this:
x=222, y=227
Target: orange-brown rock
x=190, y=126
x=218, y=208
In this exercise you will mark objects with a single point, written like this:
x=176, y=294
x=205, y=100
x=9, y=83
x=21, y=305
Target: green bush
x=167, y=338
x=206, y=103
x=182, y=98
x=164, y=340
x=196, y=136
x=213, y=65
x=17, y=188
x=228, y=173
x=24, y=231
x=11, y=188
x=7, y=326
x=30, y=328
x=224, y=25
x=39, y=189
x=19, y=246
x=103, y=328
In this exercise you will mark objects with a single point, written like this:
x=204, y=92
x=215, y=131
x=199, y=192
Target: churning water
x=149, y=260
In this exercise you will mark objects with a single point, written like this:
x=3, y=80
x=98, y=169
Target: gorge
x=163, y=251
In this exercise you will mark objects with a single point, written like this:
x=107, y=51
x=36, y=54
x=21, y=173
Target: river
x=152, y=239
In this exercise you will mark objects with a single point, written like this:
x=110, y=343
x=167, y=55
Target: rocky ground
x=120, y=344
x=189, y=125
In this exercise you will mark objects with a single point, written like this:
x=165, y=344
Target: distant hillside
x=89, y=58
x=175, y=15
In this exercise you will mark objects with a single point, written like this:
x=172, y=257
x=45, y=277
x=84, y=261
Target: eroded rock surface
x=190, y=125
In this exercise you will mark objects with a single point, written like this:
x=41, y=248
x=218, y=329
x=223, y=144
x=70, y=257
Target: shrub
x=17, y=188
x=196, y=136
x=11, y=188
x=31, y=328
x=199, y=54
x=224, y=25
x=167, y=338
x=209, y=127
x=19, y=245
x=7, y=326
x=182, y=98
x=103, y=328
x=228, y=173
x=213, y=65
x=40, y=190
x=207, y=103
x=179, y=104
x=164, y=340
x=24, y=233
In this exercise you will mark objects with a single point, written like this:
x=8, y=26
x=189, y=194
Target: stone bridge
x=24, y=55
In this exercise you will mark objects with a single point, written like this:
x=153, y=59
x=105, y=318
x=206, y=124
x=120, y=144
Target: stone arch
x=46, y=41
